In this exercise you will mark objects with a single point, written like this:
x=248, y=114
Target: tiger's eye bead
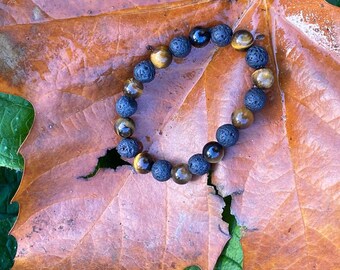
x=242, y=118
x=242, y=39
x=133, y=88
x=181, y=174
x=161, y=57
x=199, y=37
x=143, y=163
x=213, y=152
x=263, y=78
x=124, y=127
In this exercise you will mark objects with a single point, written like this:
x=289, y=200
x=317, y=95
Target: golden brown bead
x=125, y=127
x=213, y=152
x=263, y=78
x=133, y=88
x=242, y=118
x=143, y=163
x=161, y=57
x=181, y=174
x=242, y=39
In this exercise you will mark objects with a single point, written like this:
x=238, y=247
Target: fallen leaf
x=71, y=65
x=284, y=173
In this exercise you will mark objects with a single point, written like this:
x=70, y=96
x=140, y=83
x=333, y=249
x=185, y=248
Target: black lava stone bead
x=180, y=46
x=128, y=148
x=257, y=57
x=161, y=170
x=227, y=135
x=221, y=35
x=144, y=71
x=126, y=106
x=255, y=99
x=198, y=165
x=199, y=37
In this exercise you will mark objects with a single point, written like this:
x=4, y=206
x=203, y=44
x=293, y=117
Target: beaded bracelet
x=226, y=135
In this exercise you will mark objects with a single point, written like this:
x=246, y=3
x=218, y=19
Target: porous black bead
x=227, y=135
x=128, y=148
x=180, y=46
x=255, y=99
x=257, y=57
x=198, y=165
x=199, y=36
x=221, y=35
x=144, y=71
x=126, y=106
x=161, y=170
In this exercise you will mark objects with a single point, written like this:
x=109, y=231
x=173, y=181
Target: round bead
x=199, y=37
x=255, y=99
x=221, y=35
x=128, y=148
x=227, y=135
x=257, y=57
x=242, y=118
x=161, y=57
x=161, y=170
x=124, y=127
x=126, y=106
x=180, y=46
x=263, y=78
x=133, y=88
x=143, y=163
x=181, y=174
x=144, y=71
x=213, y=152
x=242, y=39
x=198, y=165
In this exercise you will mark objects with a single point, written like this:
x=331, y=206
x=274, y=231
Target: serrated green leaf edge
x=16, y=118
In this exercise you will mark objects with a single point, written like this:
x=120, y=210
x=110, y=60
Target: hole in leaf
x=232, y=253
x=111, y=160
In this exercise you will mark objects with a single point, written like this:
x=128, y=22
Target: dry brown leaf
x=283, y=172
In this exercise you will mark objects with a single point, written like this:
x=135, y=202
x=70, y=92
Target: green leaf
x=16, y=118
x=334, y=2
x=231, y=257
x=8, y=244
x=192, y=267
x=9, y=183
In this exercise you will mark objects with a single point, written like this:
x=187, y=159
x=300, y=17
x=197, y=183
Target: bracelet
x=226, y=135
